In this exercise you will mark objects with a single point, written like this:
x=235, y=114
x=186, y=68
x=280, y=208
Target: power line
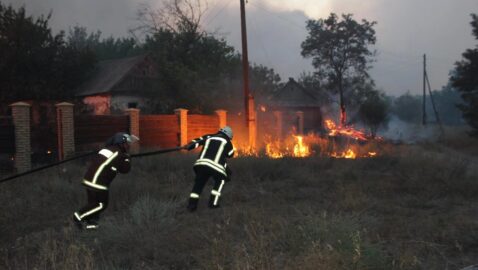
x=280, y=17
x=260, y=40
x=219, y=12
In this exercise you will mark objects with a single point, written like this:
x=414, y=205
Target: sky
x=405, y=30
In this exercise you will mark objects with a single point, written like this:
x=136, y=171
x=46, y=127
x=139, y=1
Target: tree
x=374, y=111
x=465, y=80
x=34, y=63
x=408, y=108
x=106, y=48
x=340, y=52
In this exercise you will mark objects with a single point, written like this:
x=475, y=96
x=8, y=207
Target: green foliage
x=35, y=63
x=192, y=69
x=408, y=108
x=340, y=51
x=374, y=111
x=465, y=79
x=106, y=48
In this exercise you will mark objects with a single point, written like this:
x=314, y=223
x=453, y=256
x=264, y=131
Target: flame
x=349, y=154
x=273, y=149
x=300, y=148
x=263, y=108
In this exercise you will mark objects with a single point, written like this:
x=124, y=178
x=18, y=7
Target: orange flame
x=300, y=148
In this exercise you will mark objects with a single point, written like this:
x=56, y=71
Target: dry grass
x=415, y=208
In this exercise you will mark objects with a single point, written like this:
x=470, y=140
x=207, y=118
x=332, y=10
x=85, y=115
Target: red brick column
x=134, y=127
x=21, y=121
x=65, y=130
x=222, y=115
x=183, y=125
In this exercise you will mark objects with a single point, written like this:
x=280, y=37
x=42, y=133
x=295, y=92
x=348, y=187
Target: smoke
x=411, y=133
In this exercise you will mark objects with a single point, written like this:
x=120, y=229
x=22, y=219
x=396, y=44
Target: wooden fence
x=159, y=131
x=7, y=135
x=199, y=125
x=92, y=130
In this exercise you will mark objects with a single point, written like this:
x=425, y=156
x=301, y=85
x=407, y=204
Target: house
x=118, y=84
x=298, y=107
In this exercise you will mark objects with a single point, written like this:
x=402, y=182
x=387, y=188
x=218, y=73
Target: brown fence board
x=199, y=125
x=91, y=129
x=7, y=136
x=159, y=131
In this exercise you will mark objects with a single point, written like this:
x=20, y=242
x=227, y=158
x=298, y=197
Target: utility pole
x=426, y=83
x=248, y=98
x=424, y=109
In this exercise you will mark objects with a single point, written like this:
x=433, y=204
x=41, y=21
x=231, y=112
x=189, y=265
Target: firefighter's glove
x=191, y=146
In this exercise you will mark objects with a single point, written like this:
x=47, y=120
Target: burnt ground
x=414, y=208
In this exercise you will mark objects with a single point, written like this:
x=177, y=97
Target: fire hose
x=162, y=151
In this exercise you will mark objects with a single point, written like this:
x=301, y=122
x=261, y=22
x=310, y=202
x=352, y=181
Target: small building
x=298, y=107
x=118, y=84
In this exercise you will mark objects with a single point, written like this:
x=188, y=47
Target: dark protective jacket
x=105, y=165
x=216, y=148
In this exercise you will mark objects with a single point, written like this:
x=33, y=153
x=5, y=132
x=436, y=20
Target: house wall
x=98, y=104
x=119, y=103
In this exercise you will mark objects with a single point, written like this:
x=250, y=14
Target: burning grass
x=412, y=207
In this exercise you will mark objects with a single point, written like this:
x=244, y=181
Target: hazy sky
x=406, y=30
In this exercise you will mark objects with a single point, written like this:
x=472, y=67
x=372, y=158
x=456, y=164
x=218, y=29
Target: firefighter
x=112, y=159
x=211, y=163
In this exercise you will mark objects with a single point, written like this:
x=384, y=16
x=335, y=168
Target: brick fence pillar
x=300, y=122
x=21, y=121
x=278, y=117
x=183, y=125
x=134, y=127
x=222, y=115
x=65, y=130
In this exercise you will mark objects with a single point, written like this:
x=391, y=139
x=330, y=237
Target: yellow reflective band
x=92, y=211
x=231, y=152
x=106, y=153
x=194, y=195
x=77, y=216
x=102, y=166
x=113, y=168
x=93, y=185
x=215, y=192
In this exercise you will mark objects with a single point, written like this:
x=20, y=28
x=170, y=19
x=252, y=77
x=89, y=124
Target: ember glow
x=339, y=142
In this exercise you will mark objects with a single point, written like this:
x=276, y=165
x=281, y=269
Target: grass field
x=415, y=208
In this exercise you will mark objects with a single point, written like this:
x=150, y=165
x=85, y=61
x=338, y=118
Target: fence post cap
x=132, y=110
x=20, y=104
x=180, y=110
x=64, y=104
x=220, y=111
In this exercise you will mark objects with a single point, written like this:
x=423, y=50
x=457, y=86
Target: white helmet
x=227, y=130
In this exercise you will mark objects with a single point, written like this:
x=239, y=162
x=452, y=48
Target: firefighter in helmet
x=112, y=159
x=211, y=163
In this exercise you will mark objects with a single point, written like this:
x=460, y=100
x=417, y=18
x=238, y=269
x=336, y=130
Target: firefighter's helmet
x=120, y=138
x=227, y=130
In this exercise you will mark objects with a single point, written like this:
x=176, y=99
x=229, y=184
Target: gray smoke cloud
x=406, y=30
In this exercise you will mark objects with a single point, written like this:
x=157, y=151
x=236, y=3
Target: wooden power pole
x=248, y=98
x=426, y=83
x=424, y=109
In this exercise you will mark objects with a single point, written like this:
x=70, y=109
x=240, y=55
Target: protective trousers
x=97, y=203
x=203, y=173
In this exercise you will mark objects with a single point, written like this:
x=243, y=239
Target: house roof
x=108, y=73
x=293, y=95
